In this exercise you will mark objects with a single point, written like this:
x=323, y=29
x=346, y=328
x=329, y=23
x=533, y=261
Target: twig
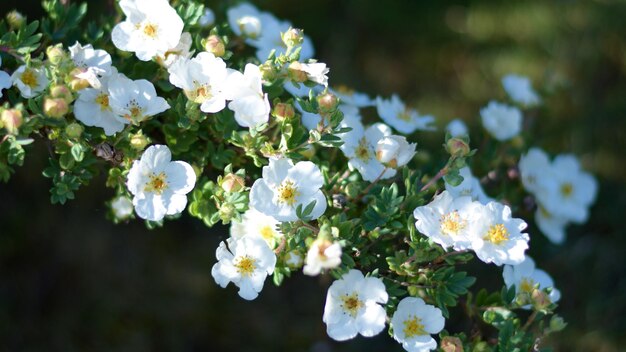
x=439, y=175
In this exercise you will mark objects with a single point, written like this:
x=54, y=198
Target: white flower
x=31, y=81
x=181, y=51
x=360, y=147
x=394, y=151
x=134, y=101
x=202, y=79
x=250, y=105
x=519, y=89
x=575, y=190
x=246, y=262
x=122, y=207
x=159, y=184
x=457, y=128
x=316, y=72
x=256, y=224
x=469, y=187
x=353, y=306
x=207, y=19
x=395, y=113
x=92, y=64
x=323, y=254
x=502, y=121
x=536, y=171
x=301, y=90
x=552, y=227
x=496, y=237
x=93, y=107
x=244, y=20
x=351, y=97
x=446, y=220
x=5, y=80
x=294, y=259
x=285, y=186
x=413, y=323
x=525, y=277
x=151, y=28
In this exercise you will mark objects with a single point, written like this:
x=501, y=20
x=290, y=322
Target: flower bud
x=283, y=111
x=55, y=107
x=12, y=120
x=457, y=147
x=55, y=54
x=77, y=83
x=139, y=141
x=233, y=183
x=122, y=207
x=327, y=102
x=15, y=19
x=292, y=37
x=215, y=45
x=296, y=72
x=268, y=73
x=294, y=259
x=74, y=130
x=250, y=26
x=61, y=91
x=540, y=299
x=394, y=151
x=451, y=344
x=226, y=212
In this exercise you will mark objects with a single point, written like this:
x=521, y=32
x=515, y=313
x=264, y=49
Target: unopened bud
x=294, y=259
x=540, y=299
x=74, y=130
x=55, y=54
x=327, y=102
x=297, y=73
x=15, y=19
x=283, y=111
x=61, y=91
x=451, y=344
x=268, y=73
x=394, y=151
x=226, y=212
x=75, y=83
x=12, y=120
x=250, y=26
x=55, y=107
x=233, y=183
x=457, y=147
x=215, y=45
x=139, y=141
x=293, y=37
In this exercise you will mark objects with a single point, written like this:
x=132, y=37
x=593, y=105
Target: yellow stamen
x=567, y=189
x=405, y=115
x=287, y=192
x=103, y=101
x=268, y=233
x=29, y=78
x=452, y=224
x=527, y=285
x=413, y=327
x=362, y=151
x=157, y=183
x=351, y=304
x=246, y=265
x=497, y=234
x=150, y=30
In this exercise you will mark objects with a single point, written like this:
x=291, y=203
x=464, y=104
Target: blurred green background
x=72, y=281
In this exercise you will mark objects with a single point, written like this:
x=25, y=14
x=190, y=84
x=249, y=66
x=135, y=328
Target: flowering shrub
x=261, y=142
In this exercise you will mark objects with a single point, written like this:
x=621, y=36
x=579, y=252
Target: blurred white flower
x=469, y=187
x=552, y=227
x=323, y=254
x=285, y=186
x=404, y=120
x=413, y=323
x=181, y=51
x=496, y=237
x=457, y=128
x=245, y=20
x=520, y=89
x=502, y=121
x=207, y=19
x=122, y=207
x=351, y=97
x=31, y=81
x=446, y=220
x=151, y=28
x=536, y=171
x=353, y=306
x=526, y=278
x=159, y=185
x=245, y=262
x=5, y=80
x=92, y=64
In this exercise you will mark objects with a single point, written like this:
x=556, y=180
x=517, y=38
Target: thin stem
x=369, y=187
x=10, y=51
x=310, y=227
x=530, y=320
x=439, y=175
x=281, y=246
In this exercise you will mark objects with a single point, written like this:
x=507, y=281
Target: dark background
x=70, y=280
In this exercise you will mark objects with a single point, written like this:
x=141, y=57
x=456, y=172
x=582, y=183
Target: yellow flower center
x=413, y=327
x=150, y=30
x=103, y=101
x=351, y=304
x=497, y=234
x=245, y=266
x=200, y=94
x=362, y=151
x=452, y=224
x=405, y=115
x=527, y=285
x=29, y=78
x=567, y=189
x=157, y=183
x=287, y=192
x=268, y=233
x=345, y=90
